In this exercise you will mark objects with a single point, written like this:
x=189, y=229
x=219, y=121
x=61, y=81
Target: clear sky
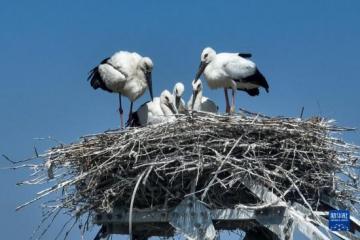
x=308, y=50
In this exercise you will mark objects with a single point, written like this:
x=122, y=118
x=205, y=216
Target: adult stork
x=198, y=102
x=231, y=70
x=178, y=92
x=125, y=73
x=161, y=109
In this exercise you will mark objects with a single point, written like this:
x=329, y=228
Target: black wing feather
x=258, y=79
x=245, y=55
x=105, y=60
x=96, y=80
x=252, y=92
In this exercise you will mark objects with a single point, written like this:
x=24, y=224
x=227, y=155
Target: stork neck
x=166, y=110
x=140, y=75
x=137, y=83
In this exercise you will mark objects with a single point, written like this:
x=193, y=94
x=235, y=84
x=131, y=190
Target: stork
x=178, y=93
x=231, y=70
x=125, y=73
x=161, y=109
x=198, y=102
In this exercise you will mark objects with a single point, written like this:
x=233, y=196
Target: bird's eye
x=167, y=99
x=205, y=56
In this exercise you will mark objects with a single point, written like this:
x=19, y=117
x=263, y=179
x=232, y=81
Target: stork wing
x=237, y=67
x=125, y=62
x=111, y=77
x=93, y=71
x=245, y=72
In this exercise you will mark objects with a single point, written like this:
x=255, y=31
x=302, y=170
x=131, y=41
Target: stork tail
x=95, y=78
x=258, y=79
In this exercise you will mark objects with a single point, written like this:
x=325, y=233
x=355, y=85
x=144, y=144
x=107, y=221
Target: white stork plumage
x=198, y=102
x=125, y=73
x=161, y=109
x=178, y=92
x=231, y=70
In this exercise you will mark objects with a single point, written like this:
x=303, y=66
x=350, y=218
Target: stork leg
x=130, y=113
x=121, y=111
x=234, y=88
x=227, y=101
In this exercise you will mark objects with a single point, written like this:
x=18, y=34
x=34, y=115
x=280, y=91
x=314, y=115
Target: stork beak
x=177, y=101
x=172, y=108
x=195, y=93
x=200, y=70
x=149, y=83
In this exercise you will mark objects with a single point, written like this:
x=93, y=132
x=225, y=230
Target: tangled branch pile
x=208, y=154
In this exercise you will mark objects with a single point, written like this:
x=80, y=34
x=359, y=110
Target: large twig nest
x=205, y=153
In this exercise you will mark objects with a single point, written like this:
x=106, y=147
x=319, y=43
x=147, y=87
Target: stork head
x=146, y=65
x=177, y=93
x=167, y=100
x=196, y=85
x=207, y=55
x=196, y=88
x=179, y=89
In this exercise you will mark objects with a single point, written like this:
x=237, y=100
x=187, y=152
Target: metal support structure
x=194, y=220
x=302, y=216
x=269, y=215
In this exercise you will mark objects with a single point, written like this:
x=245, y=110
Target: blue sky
x=309, y=51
